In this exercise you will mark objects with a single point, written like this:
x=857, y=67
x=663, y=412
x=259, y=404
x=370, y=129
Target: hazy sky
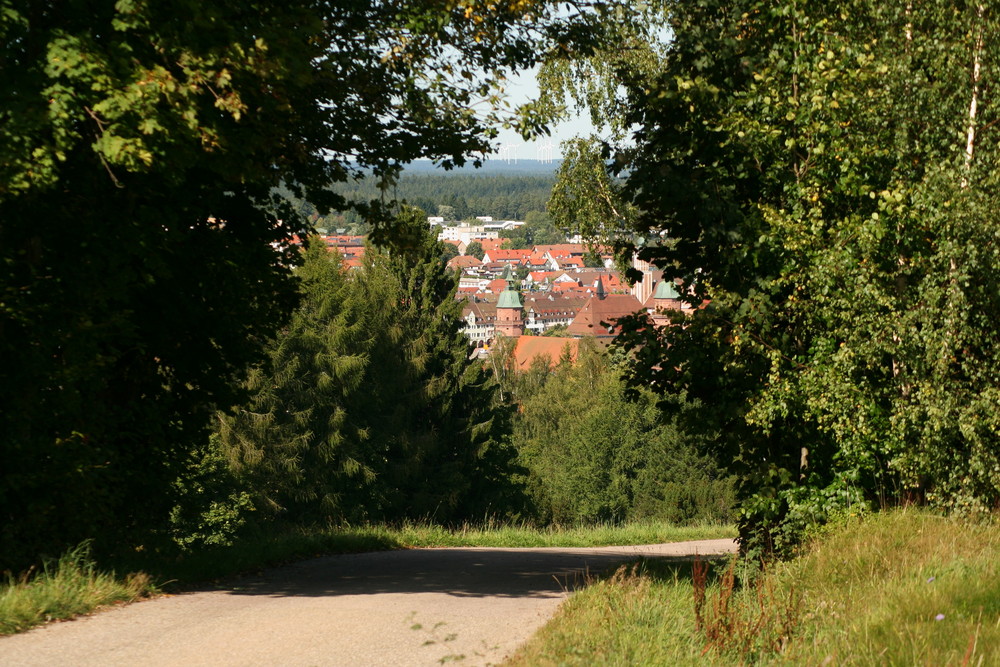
x=522, y=89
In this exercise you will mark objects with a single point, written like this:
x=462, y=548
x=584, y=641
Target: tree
x=448, y=251
x=369, y=407
x=537, y=229
x=475, y=249
x=799, y=169
x=594, y=454
x=163, y=131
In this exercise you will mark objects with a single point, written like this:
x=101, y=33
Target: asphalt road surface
x=473, y=606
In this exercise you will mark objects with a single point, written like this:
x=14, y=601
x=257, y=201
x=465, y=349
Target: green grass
x=511, y=536
x=899, y=588
x=74, y=586
x=66, y=588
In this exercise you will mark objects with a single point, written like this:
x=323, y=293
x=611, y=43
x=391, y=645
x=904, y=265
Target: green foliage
x=824, y=180
x=593, y=454
x=538, y=229
x=213, y=505
x=368, y=407
x=448, y=251
x=475, y=249
x=586, y=197
x=162, y=133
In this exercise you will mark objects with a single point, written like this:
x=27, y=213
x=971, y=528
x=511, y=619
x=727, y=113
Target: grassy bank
x=74, y=585
x=65, y=588
x=903, y=587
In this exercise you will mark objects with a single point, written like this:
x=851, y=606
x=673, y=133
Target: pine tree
x=368, y=406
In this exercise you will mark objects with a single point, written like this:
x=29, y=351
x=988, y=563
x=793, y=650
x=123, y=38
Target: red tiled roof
x=561, y=249
x=463, y=262
x=588, y=321
x=501, y=255
x=529, y=348
x=496, y=286
x=491, y=244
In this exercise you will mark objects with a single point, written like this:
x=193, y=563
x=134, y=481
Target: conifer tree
x=368, y=406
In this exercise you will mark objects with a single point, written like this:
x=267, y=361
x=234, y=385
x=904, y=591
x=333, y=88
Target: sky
x=521, y=89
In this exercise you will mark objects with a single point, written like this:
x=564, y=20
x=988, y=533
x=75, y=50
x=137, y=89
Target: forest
x=453, y=196
x=817, y=179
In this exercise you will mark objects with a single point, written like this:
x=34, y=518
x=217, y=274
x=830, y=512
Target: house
x=535, y=262
x=548, y=277
x=496, y=286
x=561, y=250
x=464, y=262
x=548, y=310
x=506, y=256
x=599, y=315
x=492, y=244
x=566, y=262
x=349, y=246
x=479, y=318
x=467, y=233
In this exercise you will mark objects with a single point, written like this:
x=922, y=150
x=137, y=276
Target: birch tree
x=823, y=174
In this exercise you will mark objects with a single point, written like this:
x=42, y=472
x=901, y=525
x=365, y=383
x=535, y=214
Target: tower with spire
x=510, y=317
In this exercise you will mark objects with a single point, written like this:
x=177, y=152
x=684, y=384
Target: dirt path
x=414, y=607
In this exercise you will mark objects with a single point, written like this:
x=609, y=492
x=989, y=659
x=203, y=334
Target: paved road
x=413, y=607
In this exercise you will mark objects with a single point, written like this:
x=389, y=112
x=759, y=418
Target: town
x=545, y=297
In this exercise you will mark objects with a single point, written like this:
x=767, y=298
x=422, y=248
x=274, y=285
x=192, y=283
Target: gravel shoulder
x=410, y=607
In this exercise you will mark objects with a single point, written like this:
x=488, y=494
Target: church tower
x=510, y=318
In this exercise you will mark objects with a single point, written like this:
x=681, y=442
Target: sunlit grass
x=66, y=588
x=903, y=587
x=518, y=535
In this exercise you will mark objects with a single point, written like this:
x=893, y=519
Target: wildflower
x=939, y=617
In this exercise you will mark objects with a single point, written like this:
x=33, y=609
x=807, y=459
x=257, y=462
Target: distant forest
x=456, y=196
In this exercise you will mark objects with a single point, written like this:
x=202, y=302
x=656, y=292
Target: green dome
x=666, y=290
x=509, y=299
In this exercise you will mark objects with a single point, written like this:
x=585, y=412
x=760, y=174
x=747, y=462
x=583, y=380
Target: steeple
x=510, y=320
x=599, y=291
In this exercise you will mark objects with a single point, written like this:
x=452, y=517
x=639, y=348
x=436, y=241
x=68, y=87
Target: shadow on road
x=457, y=572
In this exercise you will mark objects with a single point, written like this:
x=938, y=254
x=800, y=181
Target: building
x=510, y=315
x=600, y=314
x=548, y=310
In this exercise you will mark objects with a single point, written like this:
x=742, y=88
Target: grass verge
x=66, y=588
x=902, y=587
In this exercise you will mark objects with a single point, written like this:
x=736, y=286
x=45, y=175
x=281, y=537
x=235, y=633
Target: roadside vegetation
x=75, y=585
x=901, y=587
x=67, y=587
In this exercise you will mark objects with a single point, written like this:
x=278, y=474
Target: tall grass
x=903, y=587
x=66, y=588
x=507, y=535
